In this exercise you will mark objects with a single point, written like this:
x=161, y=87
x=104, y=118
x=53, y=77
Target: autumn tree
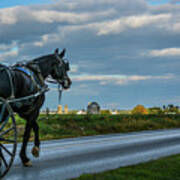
x=139, y=109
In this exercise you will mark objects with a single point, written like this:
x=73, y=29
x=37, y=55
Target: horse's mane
x=40, y=59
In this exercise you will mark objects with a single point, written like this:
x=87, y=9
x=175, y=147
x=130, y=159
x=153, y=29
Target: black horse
x=26, y=79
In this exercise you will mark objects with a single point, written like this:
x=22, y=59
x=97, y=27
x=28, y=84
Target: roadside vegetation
x=66, y=126
x=162, y=169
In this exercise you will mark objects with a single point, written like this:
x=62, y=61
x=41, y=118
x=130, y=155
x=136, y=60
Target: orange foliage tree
x=139, y=109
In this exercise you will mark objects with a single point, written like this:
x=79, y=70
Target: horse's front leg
x=35, y=149
x=25, y=160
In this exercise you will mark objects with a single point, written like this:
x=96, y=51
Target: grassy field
x=163, y=169
x=65, y=126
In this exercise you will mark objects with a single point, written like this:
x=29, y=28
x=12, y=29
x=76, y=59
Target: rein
x=59, y=88
x=41, y=89
x=49, y=79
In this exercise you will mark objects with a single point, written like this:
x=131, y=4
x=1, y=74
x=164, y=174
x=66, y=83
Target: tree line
x=165, y=109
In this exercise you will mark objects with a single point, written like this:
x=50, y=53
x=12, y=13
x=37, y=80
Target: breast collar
x=25, y=70
x=32, y=75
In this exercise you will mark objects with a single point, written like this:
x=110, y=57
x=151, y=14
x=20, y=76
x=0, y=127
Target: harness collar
x=24, y=70
x=38, y=83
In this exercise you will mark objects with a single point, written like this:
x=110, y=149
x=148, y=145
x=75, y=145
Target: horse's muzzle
x=66, y=83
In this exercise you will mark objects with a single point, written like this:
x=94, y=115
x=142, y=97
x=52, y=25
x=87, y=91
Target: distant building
x=93, y=108
x=81, y=112
x=66, y=109
x=59, y=111
x=114, y=112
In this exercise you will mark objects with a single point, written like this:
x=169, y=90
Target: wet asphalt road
x=68, y=158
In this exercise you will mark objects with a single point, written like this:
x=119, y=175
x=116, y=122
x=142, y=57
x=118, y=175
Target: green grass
x=163, y=169
x=65, y=126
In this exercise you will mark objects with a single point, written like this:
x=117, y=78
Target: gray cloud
x=166, y=52
x=103, y=38
x=174, y=1
x=119, y=79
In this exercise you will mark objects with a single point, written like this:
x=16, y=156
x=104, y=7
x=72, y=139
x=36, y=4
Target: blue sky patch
x=11, y=3
x=157, y=2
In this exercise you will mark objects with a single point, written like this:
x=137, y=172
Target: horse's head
x=60, y=69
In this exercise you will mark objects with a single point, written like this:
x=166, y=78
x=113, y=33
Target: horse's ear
x=62, y=53
x=56, y=51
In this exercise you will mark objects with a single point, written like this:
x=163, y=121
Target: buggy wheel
x=8, y=137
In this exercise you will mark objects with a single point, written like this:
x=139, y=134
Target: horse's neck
x=45, y=69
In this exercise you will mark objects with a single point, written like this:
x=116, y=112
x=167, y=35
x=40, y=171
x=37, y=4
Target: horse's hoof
x=35, y=151
x=28, y=164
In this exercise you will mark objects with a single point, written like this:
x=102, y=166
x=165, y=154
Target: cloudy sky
x=122, y=52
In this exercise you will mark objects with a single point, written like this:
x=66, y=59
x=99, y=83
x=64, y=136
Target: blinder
x=60, y=69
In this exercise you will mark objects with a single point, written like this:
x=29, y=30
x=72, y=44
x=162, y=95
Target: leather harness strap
x=34, y=68
x=9, y=73
x=28, y=72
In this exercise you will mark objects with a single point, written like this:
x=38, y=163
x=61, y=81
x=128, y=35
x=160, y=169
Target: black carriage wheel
x=8, y=137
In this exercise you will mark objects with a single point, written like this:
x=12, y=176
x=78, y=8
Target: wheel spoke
x=7, y=140
x=5, y=132
x=3, y=159
x=5, y=149
x=2, y=111
x=4, y=123
x=7, y=136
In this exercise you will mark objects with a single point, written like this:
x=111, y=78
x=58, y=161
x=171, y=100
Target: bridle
x=60, y=63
